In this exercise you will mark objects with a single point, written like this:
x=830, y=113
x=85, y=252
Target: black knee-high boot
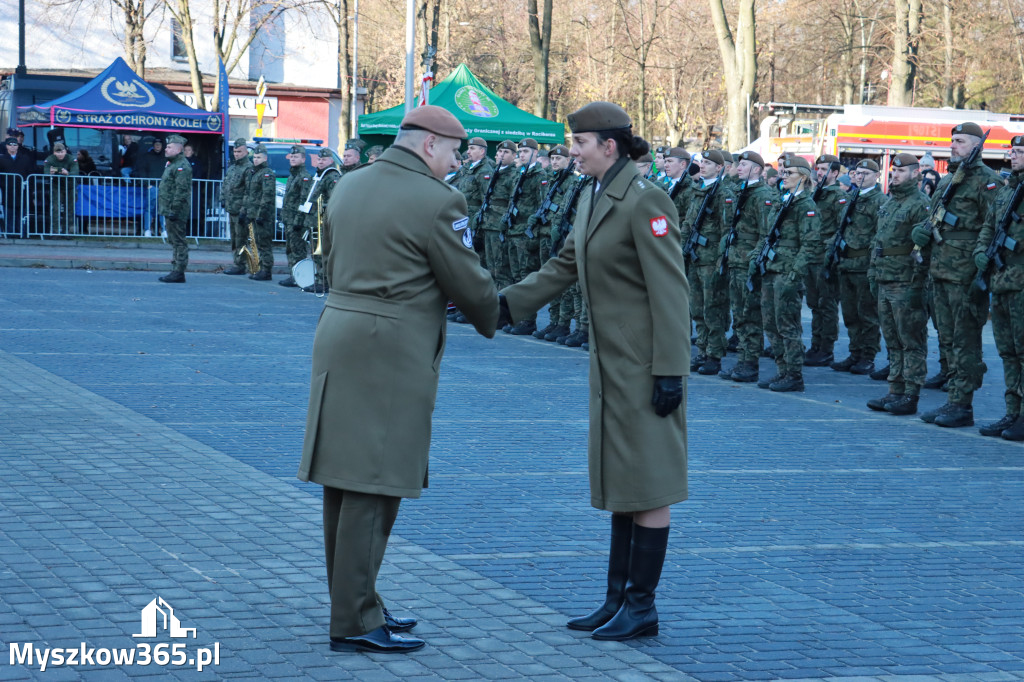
x=618, y=574
x=638, y=617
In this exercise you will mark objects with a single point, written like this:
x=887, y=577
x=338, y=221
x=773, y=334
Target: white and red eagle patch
x=659, y=226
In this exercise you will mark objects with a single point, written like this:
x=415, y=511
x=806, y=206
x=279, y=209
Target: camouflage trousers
x=239, y=235
x=860, y=314
x=746, y=315
x=177, y=237
x=709, y=306
x=264, y=232
x=523, y=258
x=62, y=210
x=1008, y=328
x=544, y=255
x=961, y=311
x=573, y=308
x=823, y=300
x=296, y=248
x=904, y=322
x=496, y=259
x=781, y=301
x=929, y=304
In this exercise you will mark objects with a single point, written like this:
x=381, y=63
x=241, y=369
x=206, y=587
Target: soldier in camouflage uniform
x=500, y=184
x=260, y=208
x=232, y=196
x=822, y=292
x=961, y=309
x=1007, y=287
x=709, y=293
x=899, y=281
x=314, y=209
x=572, y=306
x=860, y=308
x=782, y=281
x=523, y=245
x=470, y=181
x=754, y=201
x=61, y=167
x=295, y=193
x=174, y=203
x=350, y=157
x=677, y=181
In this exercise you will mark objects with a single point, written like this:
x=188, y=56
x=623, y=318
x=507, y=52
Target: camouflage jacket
x=831, y=203
x=503, y=187
x=757, y=202
x=559, y=185
x=860, y=232
x=534, y=188
x=295, y=192
x=69, y=164
x=175, y=195
x=469, y=180
x=1012, y=277
x=320, y=190
x=680, y=194
x=564, y=218
x=715, y=224
x=261, y=195
x=236, y=179
x=891, y=248
x=953, y=259
x=799, y=236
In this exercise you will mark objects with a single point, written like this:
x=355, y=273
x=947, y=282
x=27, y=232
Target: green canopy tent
x=481, y=112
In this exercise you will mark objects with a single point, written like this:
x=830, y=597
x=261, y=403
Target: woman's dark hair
x=626, y=142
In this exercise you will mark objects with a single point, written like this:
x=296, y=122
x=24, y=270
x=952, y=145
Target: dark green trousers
x=356, y=531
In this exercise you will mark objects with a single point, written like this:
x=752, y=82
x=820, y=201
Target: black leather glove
x=668, y=395
x=504, y=314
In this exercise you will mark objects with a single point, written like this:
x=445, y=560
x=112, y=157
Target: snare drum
x=304, y=273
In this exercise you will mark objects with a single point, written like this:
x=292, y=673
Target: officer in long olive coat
x=397, y=248
x=624, y=248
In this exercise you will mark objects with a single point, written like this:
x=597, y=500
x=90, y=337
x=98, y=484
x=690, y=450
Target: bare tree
x=540, y=46
x=906, y=41
x=740, y=64
x=135, y=16
x=953, y=86
x=640, y=22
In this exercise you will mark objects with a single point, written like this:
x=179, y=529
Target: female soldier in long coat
x=624, y=249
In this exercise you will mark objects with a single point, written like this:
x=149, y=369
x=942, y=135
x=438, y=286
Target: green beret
x=597, y=117
x=528, y=142
x=176, y=139
x=325, y=153
x=827, y=158
x=559, y=150
x=677, y=153
x=868, y=164
x=240, y=142
x=297, y=149
x=903, y=160
x=509, y=145
x=259, y=149
x=714, y=155
x=753, y=157
x=969, y=128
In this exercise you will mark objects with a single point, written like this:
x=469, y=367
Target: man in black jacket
x=16, y=165
x=151, y=164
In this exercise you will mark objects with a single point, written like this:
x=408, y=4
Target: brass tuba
x=251, y=253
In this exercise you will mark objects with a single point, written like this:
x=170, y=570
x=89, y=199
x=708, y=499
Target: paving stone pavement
x=149, y=437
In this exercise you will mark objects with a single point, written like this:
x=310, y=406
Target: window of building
x=178, y=52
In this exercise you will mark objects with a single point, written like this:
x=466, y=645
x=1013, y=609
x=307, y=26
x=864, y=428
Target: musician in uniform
x=174, y=204
x=315, y=208
x=295, y=192
x=232, y=196
x=261, y=208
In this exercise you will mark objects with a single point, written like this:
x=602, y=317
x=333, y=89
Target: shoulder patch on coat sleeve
x=659, y=226
x=460, y=224
x=467, y=238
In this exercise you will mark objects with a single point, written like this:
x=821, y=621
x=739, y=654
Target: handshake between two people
x=668, y=391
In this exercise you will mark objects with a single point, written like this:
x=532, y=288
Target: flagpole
x=410, y=48
x=355, y=68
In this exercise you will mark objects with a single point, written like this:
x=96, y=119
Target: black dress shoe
x=397, y=624
x=380, y=641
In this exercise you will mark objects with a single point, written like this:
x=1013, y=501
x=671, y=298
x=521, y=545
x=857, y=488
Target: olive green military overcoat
x=397, y=247
x=625, y=251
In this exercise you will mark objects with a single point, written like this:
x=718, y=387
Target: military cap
x=375, y=150
x=297, y=149
x=753, y=157
x=799, y=163
x=434, y=119
x=559, y=150
x=1017, y=141
x=357, y=143
x=528, y=142
x=477, y=142
x=324, y=153
x=10, y=140
x=661, y=149
x=240, y=142
x=868, y=164
x=353, y=145
x=904, y=159
x=509, y=145
x=259, y=149
x=677, y=153
x=771, y=172
x=599, y=116
x=827, y=158
x=969, y=128
x=59, y=147
x=176, y=139
x=646, y=158
x=715, y=155
x=12, y=131
x=735, y=157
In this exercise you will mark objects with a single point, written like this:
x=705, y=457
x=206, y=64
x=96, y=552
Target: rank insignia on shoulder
x=659, y=226
x=640, y=184
x=460, y=224
x=467, y=238
x=991, y=185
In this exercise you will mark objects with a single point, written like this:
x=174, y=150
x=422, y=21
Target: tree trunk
x=345, y=83
x=540, y=47
x=906, y=37
x=740, y=65
x=184, y=17
x=134, y=40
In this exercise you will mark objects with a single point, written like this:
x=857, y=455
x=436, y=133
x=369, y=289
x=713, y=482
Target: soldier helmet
x=969, y=128
x=904, y=160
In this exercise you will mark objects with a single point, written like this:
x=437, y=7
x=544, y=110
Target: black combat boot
x=880, y=374
x=638, y=617
x=936, y=381
x=461, y=319
x=235, y=270
x=819, y=358
x=561, y=340
x=878, y=404
x=996, y=429
x=262, y=276
x=541, y=333
x=618, y=574
x=710, y=367
x=696, y=361
x=767, y=383
x=727, y=373
x=864, y=365
x=929, y=417
x=903, y=405
x=1016, y=431
x=556, y=333
x=957, y=416
x=793, y=381
x=582, y=337
x=844, y=365
x=744, y=372
x=174, y=277
x=734, y=343
x=524, y=328
x=290, y=282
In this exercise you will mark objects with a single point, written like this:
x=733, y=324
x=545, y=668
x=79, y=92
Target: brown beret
x=559, y=150
x=599, y=116
x=867, y=164
x=1017, y=141
x=325, y=153
x=753, y=157
x=646, y=158
x=297, y=149
x=969, y=128
x=528, y=142
x=678, y=153
x=903, y=160
x=434, y=119
x=509, y=145
x=477, y=142
x=827, y=158
x=240, y=142
x=798, y=162
x=715, y=155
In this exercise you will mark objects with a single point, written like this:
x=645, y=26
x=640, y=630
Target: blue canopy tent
x=118, y=99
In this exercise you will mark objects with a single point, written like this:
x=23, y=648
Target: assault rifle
x=1001, y=240
x=513, y=210
x=486, y=204
x=568, y=215
x=723, y=264
x=695, y=238
x=820, y=187
x=767, y=252
x=837, y=249
x=548, y=206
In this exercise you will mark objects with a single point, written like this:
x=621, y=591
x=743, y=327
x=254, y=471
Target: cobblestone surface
x=149, y=436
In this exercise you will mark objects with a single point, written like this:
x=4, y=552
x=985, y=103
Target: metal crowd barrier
x=98, y=206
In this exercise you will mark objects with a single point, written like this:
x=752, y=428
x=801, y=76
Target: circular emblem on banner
x=213, y=122
x=63, y=116
x=128, y=93
x=475, y=102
